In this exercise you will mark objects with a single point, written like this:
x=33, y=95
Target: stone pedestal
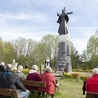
x=63, y=62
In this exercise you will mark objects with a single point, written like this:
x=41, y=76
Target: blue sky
x=37, y=18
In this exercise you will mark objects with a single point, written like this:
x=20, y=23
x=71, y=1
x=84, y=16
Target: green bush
x=25, y=71
x=75, y=75
x=84, y=77
x=67, y=75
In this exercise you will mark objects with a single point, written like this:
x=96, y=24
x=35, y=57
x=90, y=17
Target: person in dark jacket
x=83, y=88
x=9, y=79
x=2, y=68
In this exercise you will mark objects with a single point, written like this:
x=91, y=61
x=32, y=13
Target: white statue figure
x=14, y=64
x=47, y=62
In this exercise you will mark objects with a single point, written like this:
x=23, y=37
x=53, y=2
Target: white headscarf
x=34, y=69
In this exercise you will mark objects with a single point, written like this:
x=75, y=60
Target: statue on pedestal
x=63, y=61
x=63, y=20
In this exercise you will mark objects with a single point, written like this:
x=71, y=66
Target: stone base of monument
x=58, y=75
x=63, y=62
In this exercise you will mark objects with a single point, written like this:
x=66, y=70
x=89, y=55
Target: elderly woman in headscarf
x=50, y=81
x=20, y=73
x=92, y=83
x=33, y=75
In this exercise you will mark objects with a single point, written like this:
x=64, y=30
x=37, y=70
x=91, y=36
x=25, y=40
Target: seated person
x=9, y=79
x=92, y=83
x=50, y=82
x=33, y=75
x=83, y=88
x=2, y=69
x=20, y=73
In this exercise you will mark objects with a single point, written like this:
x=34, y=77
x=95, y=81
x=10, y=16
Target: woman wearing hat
x=50, y=81
x=33, y=75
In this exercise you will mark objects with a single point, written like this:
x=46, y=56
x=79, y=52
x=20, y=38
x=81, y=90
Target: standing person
x=20, y=73
x=47, y=62
x=9, y=79
x=26, y=65
x=33, y=75
x=50, y=82
x=92, y=83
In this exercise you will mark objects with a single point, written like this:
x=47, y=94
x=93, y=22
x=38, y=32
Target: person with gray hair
x=2, y=63
x=20, y=73
x=92, y=82
x=33, y=75
x=33, y=69
x=50, y=80
x=2, y=66
x=11, y=80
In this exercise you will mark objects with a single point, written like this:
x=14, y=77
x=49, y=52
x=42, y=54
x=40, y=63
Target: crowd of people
x=46, y=76
x=11, y=79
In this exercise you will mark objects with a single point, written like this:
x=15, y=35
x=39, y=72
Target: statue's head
x=63, y=11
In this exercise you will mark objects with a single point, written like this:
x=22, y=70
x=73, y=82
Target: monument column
x=63, y=62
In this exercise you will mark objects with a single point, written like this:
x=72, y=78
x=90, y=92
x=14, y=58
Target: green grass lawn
x=70, y=88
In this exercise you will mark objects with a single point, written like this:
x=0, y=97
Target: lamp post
x=41, y=68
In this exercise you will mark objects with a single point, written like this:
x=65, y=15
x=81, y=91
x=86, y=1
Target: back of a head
x=95, y=71
x=9, y=66
x=2, y=68
x=20, y=67
x=2, y=63
x=48, y=69
x=35, y=67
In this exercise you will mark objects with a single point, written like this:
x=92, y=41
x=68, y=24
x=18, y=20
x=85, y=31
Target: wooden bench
x=91, y=95
x=8, y=92
x=35, y=84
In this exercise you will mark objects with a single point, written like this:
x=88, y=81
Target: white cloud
x=23, y=16
x=40, y=19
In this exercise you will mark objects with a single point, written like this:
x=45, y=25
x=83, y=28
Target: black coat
x=11, y=80
x=83, y=88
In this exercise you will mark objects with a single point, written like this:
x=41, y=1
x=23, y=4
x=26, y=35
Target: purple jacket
x=33, y=77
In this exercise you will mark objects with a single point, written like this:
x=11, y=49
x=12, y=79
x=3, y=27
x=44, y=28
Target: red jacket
x=92, y=84
x=50, y=82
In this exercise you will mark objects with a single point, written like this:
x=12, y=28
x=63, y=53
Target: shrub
x=25, y=71
x=75, y=75
x=67, y=75
x=84, y=77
